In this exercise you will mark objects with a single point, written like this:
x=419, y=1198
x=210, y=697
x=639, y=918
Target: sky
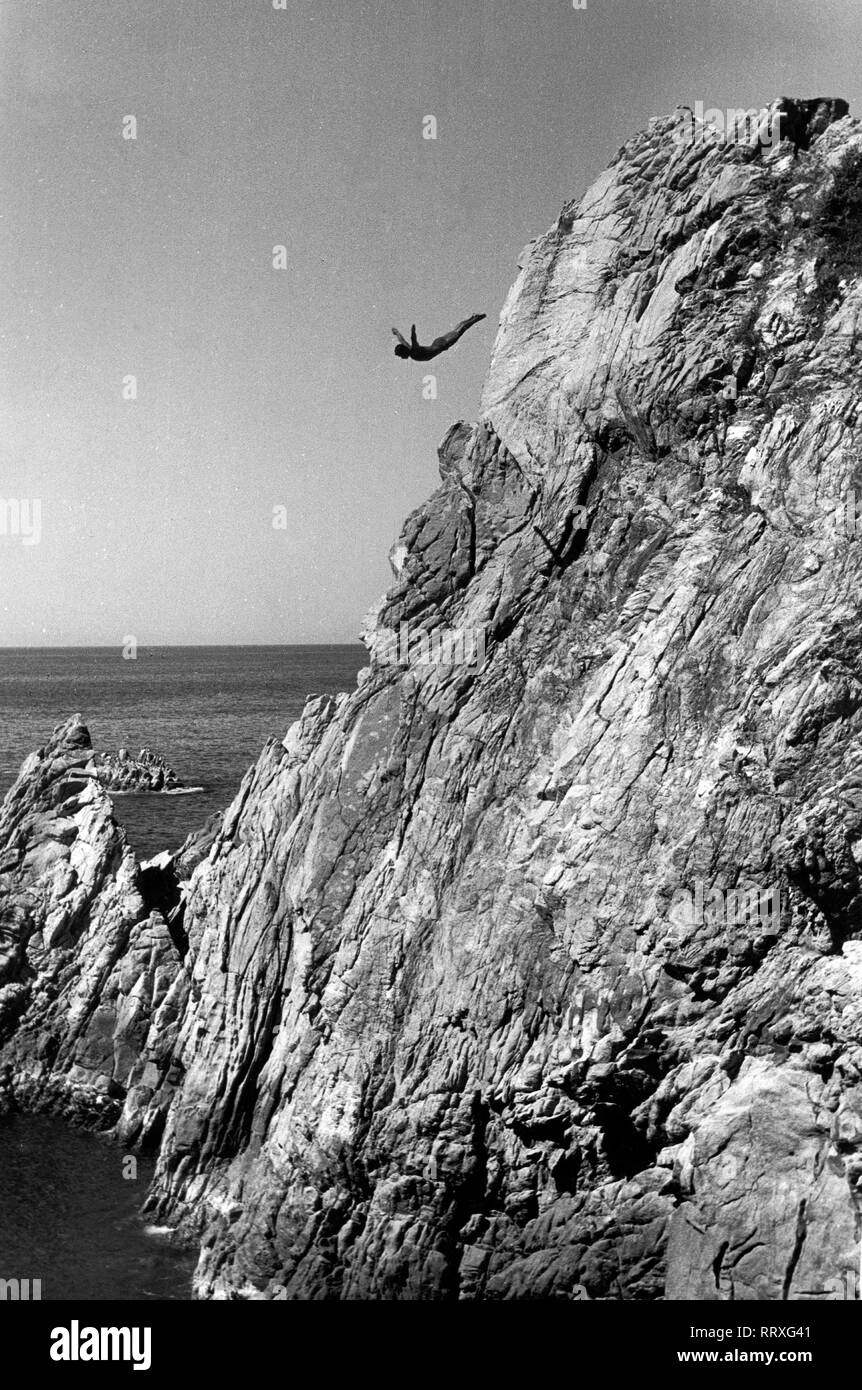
x=267, y=395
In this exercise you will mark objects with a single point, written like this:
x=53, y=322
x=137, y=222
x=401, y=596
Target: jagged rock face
x=467, y=1015
x=90, y=982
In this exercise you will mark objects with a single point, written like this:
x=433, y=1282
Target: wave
x=140, y=791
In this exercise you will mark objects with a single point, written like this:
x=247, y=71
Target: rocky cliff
x=506, y=977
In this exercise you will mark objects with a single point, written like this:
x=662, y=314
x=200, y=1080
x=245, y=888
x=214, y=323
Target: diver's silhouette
x=419, y=353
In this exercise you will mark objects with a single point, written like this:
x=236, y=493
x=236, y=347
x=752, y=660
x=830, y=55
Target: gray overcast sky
x=260, y=388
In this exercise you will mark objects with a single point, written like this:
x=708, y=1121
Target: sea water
x=70, y=1217
x=207, y=710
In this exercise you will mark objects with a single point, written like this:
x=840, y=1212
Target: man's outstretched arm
x=400, y=336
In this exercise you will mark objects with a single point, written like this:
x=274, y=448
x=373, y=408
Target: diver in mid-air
x=419, y=353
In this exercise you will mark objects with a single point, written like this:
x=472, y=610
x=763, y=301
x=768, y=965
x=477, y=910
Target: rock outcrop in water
x=148, y=772
x=504, y=978
x=91, y=988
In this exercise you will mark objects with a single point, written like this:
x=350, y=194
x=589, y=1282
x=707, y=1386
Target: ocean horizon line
x=177, y=646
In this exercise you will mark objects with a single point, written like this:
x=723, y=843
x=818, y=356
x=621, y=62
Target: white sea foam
x=139, y=791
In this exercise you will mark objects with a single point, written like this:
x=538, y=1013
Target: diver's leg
x=468, y=323
x=446, y=340
x=455, y=333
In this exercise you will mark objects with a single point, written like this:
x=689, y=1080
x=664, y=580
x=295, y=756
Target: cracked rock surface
x=459, y=1007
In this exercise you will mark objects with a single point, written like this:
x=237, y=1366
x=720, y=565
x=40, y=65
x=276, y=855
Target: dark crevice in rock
x=626, y=1148
x=803, y=121
x=718, y=1261
x=566, y=1170
x=162, y=893
x=799, y=1242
